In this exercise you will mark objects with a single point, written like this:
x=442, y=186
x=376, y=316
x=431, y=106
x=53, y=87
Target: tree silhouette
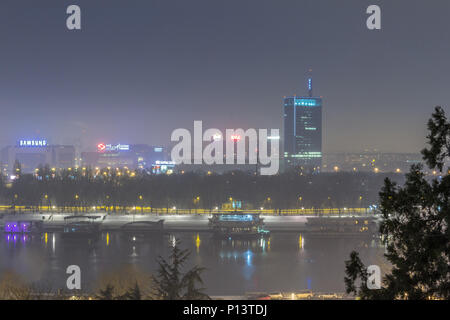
x=133, y=293
x=415, y=229
x=172, y=283
x=106, y=293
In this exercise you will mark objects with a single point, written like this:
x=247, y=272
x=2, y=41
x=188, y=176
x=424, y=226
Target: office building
x=32, y=153
x=302, y=131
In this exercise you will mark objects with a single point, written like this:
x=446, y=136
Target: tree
x=128, y=282
x=107, y=293
x=133, y=293
x=190, y=280
x=415, y=228
x=172, y=284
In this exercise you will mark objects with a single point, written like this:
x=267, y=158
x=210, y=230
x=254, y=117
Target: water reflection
x=281, y=262
x=301, y=242
x=15, y=238
x=197, y=243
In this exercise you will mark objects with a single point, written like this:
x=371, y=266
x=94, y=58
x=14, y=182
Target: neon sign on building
x=101, y=147
x=307, y=102
x=33, y=143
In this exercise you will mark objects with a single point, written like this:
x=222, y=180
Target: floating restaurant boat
x=238, y=225
x=338, y=227
x=81, y=227
x=23, y=227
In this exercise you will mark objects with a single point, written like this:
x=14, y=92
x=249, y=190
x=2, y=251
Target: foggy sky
x=139, y=69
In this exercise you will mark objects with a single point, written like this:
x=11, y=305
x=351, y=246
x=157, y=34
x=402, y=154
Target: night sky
x=139, y=69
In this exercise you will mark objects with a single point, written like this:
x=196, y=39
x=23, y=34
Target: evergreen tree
x=107, y=293
x=133, y=293
x=190, y=280
x=172, y=283
x=415, y=228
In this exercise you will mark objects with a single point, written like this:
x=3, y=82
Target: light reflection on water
x=15, y=238
x=282, y=262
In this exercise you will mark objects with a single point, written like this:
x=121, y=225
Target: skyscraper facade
x=302, y=131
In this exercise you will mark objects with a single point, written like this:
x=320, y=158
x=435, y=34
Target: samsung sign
x=33, y=143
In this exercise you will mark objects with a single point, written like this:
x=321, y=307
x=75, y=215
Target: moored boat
x=238, y=225
x=341, y=227
x=81, y=227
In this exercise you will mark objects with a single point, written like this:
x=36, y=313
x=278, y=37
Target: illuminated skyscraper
x=302, y=130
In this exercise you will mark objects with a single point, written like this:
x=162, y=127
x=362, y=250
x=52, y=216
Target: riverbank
x=184, y=222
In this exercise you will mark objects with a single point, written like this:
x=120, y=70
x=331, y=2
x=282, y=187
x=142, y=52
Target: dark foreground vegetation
x=170, y=282
x=415, y=229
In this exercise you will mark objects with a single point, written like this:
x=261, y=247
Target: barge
x=341, y=227
x=238, y=225
x=81, y=227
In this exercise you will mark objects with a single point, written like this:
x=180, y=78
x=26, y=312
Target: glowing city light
x=33, y=143
x=236, y=137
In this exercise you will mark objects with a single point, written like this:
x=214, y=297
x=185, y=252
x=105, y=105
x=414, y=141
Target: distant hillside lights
x=213, y=153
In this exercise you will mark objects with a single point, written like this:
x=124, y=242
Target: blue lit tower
x=302, y=131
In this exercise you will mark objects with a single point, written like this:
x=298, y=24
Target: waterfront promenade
x=172, y=222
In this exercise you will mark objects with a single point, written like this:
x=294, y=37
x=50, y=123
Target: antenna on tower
x=310, y=87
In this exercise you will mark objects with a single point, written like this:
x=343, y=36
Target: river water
x=284, y=262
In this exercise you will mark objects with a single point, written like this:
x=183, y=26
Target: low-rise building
x=32, y=153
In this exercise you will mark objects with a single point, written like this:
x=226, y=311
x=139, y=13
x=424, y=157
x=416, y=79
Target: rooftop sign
x=32, y=143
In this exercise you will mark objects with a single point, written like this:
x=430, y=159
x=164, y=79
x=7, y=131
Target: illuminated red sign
x=236, y=137
x=101, y=147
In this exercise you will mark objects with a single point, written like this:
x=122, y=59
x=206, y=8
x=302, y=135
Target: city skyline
x=177, y=62
x=224, y=154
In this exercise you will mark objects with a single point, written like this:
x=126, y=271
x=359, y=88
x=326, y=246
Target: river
x=286, y=262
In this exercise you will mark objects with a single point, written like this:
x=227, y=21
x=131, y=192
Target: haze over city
x=137, y=71
x=226, y=150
